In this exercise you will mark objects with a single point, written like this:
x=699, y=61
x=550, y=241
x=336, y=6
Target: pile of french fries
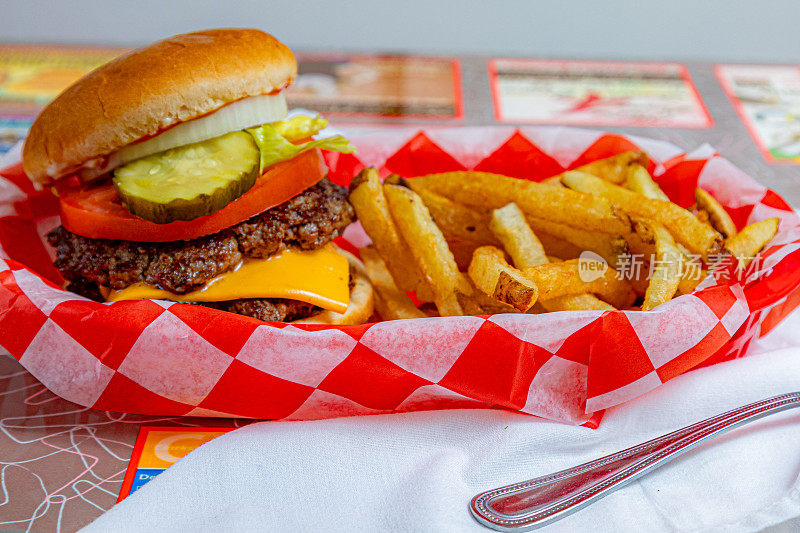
x=474, y=243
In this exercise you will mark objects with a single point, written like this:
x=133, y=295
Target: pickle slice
x=190, y=181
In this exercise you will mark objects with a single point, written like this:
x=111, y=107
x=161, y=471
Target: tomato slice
x=96, y=212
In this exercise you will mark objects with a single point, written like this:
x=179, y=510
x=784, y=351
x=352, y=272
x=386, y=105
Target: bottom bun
x=361, y=300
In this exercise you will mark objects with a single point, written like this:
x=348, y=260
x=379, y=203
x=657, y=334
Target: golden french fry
x=515, y=290
x=490, y=306
x=427, y=246
x=693, y=274
x=462, y=224
x=641, y=252
x=458, y=220
x=525, y=249
x=639, y=246
x=466, y=294
x=667, y=270
x=693, y=271
x=642, y=245
x=615, y=168
x=552, y=181
x=369, y=202
x=491, y=191
x=448, y=305
x=391, y=302
x=470, y=306
x=559, y=248
x=490, y=273
x=576, y=302
x=475, y=302
x=716, y=214
x=394, y=179
x=638, y=277
x=510, y=227
x=699, y=238
x=746, y=244
x=435, y=219
x=639, y=180
x=580, y=276
x=611, y=247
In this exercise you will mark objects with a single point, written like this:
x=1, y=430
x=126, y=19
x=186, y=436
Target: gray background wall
x=758, y=31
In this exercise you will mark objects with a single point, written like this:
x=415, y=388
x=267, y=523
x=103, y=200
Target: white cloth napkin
x=418, y=471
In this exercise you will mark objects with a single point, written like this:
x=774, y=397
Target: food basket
x=162, y=358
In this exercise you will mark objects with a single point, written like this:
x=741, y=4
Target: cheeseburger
x=180, y=178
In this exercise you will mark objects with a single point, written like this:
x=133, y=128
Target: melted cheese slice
x=319, y=277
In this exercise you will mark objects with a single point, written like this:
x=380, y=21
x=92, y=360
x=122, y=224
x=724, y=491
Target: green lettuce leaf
x=275, y=147
x=300, y=127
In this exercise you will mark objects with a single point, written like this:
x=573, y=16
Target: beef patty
x=309, y=220
x=266, y=309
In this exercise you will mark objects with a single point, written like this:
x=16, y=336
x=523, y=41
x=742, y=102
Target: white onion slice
x=245, y=113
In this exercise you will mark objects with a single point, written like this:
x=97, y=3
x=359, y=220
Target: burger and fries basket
x=161, y=358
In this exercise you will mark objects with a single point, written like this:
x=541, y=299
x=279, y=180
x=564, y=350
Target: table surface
x=62, y=464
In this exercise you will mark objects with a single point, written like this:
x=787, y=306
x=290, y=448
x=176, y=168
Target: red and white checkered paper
x=155, y=357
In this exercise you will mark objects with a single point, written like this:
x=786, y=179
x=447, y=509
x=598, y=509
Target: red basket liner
x=173, y=359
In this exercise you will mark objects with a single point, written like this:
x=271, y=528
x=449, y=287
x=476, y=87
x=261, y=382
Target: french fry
x=369, y=202
x=668, y=269
x=639, y=246
x=491, y=191
x=525, y=249
x=693, y=275
x=717, y=216
x=638, y=277
x=565, y=278
x=475, y=302
x=611, y=247
x=697, y=237
x=747, y=243
x=470, y=306
x=429, y=227
x=576, y=302
x=427, y=246
x=466, y=294
x=394, y=179
x=491, y=306
x=553, y=181
x=490, y=273
x=615, y=168
x=639, y=180
x=510, y=227
x=391, y=302
x=458, y=220
x=558, y=247
x=693, y=271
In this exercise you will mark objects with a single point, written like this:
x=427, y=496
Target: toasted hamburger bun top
x=144, y=91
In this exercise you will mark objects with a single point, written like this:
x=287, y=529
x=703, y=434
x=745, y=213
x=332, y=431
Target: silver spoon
x=540, y=501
